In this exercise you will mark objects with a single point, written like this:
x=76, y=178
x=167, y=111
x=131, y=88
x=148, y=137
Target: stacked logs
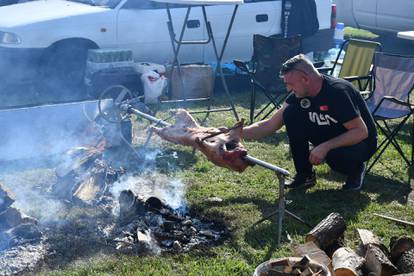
x=325, y=244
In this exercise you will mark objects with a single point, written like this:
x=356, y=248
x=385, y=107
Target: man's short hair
x=298, y=63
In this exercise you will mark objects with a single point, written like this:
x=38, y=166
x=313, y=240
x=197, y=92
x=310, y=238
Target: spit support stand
x=281, y=175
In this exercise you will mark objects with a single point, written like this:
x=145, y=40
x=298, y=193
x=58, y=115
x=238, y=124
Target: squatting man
x=330, y=114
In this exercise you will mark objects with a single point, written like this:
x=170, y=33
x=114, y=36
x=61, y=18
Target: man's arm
x=265, y=127
x=356, y=132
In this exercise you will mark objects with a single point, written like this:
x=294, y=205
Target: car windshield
x=99, y=3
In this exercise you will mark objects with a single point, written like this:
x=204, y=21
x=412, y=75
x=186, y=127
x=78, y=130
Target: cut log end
x=328, y=231
x=399, y=246
x=405, y=263
x=346, y=262
x=345, y=272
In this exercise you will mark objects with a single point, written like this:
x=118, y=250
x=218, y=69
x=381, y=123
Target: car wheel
x=63, y=70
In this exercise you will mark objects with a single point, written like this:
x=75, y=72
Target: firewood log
x=399, y=245
x=315, y=253
x=328, y=231
x=405, y=263
x=376, y=261
x=367, y=237
x=90, y=189
x=346, y=262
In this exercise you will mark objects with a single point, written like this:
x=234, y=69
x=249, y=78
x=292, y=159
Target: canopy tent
x=176, y=43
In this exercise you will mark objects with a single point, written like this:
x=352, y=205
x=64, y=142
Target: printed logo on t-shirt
x=323, y=108
x=305, y=103
x=321, y=119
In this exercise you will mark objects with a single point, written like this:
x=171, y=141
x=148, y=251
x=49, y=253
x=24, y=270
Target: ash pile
x=145, y=223
x=21, y=242
x=96, y=207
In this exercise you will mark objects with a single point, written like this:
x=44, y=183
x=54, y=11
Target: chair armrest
x=354, y=78
x=359, y=79
x=365, y=94
x=242, y=65
x=325, y=70
x=394, y=100
x=318, y=64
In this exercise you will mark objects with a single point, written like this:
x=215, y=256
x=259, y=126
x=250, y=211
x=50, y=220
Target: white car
x=378, y=15
x=51, y=37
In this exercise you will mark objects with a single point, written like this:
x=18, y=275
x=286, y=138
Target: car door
x=396, y=15
x=365, y=13
x=142, y=27
x=253, y=17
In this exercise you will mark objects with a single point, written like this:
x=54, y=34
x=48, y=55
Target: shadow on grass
x=387, y=190
x=311, y=206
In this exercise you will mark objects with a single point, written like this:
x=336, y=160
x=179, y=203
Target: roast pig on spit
x=222, y=146
x=188, y=132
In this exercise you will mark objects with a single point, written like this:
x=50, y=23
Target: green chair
x=356, y=65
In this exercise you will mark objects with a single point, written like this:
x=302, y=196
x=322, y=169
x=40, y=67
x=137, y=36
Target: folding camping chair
x=356, y=65
x=390, y=99
x=269, y=53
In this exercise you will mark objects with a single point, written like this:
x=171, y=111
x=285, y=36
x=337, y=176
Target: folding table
x=178, y=42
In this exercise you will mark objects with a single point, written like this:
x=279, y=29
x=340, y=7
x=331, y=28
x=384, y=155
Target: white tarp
x=201, y=2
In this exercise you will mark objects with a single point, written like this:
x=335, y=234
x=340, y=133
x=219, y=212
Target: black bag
x=302, y=17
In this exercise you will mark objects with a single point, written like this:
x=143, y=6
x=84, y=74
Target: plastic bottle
x=339, y=34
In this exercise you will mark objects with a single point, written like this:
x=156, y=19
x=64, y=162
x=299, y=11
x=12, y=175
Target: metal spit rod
x=248, y=158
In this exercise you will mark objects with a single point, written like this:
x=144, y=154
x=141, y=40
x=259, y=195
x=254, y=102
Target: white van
x=52, y=36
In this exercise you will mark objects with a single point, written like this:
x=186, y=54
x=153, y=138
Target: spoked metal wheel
x=112, y=112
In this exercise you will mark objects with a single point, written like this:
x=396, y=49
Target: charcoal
x=177, y=246
x=26, y=231
x=13, y=217
x=154, y=203
x=187, y=222
x=168, y=225
x=6, y=198
x=167, y=243
x=154, y=220
x=129, y=206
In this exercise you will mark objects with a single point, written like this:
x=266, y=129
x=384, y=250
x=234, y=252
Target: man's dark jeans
x=346, y=160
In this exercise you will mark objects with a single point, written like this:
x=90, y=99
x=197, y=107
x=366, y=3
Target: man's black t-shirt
x=337, y=103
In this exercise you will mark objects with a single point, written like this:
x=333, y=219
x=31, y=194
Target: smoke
x=42, y=131
x=31, y=198
x=152, y=182
x=171, y=191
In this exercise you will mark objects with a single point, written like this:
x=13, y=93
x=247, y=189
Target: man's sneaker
x=302, y=181
x=354, y=183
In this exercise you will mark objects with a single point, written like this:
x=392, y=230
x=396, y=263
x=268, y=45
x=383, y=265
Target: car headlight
x=9, y=38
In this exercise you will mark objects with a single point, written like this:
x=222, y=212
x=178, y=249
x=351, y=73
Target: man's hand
x=318, y=154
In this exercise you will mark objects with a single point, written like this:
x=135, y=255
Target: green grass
x=248, y=196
